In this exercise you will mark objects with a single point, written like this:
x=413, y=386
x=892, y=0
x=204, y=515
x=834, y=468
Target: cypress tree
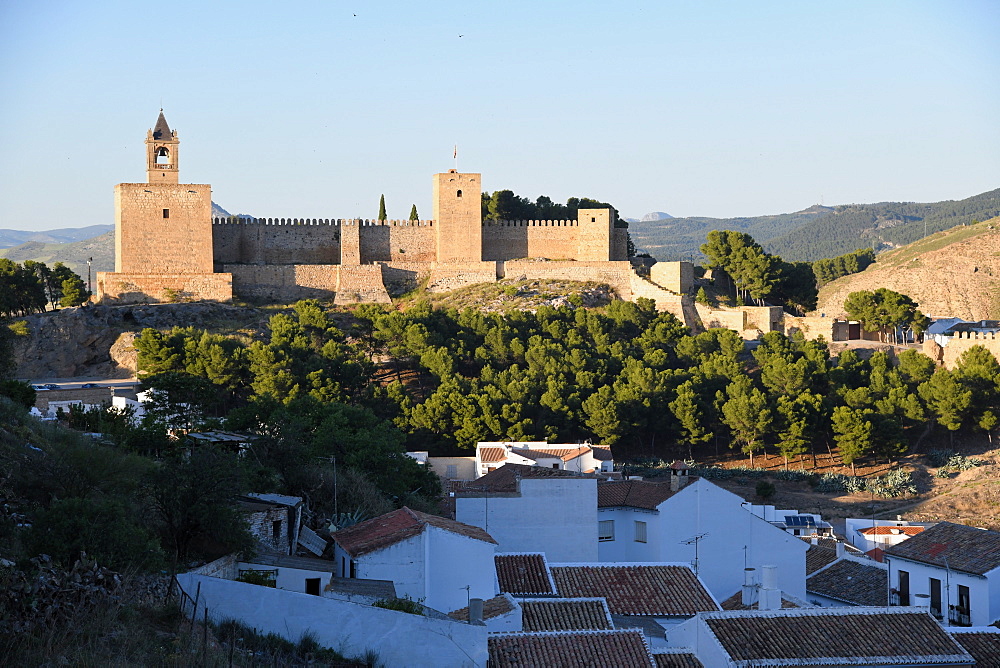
x=381, y=208
x=413, y=213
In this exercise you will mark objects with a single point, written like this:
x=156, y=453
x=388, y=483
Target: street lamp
x=89, y=288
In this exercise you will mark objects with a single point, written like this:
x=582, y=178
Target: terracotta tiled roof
x=678, y=465
x=834, y=636
x=983, y=645
x=818, y=556
x=851, y=581
x=890, y=531
x=493, y=607
x=676, y=659
x=565, y=454
x=391, y=528
x=504, y=479
x=636, y=589
x=735, y=602
x=565, y=614
x=161, y=130
x=523, y=574
x=633, y=493
x=491, y=455
x=609, y=649
x=966, y=549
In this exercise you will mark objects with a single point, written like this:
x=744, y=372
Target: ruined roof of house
x=676, y=659
x=602, y=453
x=982, y=643
x=834, y=636
x=564, y=454
x=161, y=130
x=819, y=555
x=289, y=561
x=504, y=480
x=890, y=530
x=735, y=602
x=954, y=546
x=491, y=455
x=611, y=649
x=851, y=581
x=660, y=590
x=280, y=499
x=633, y=493
x=391, y=528
x=524, y=573
x=565, y=614
x=492, y=607
x=381, y=589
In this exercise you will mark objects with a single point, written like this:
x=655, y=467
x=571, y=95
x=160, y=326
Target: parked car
x=38, y=388
x=51, y=386
x=87, y=386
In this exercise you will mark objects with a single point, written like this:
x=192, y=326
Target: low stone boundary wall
x=134, y=288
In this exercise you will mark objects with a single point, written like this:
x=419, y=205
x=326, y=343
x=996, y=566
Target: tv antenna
x=694, y=540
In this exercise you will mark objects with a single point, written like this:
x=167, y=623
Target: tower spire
x=161, y=152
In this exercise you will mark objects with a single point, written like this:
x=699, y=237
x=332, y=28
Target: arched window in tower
x=162, y=155
x=458, y=194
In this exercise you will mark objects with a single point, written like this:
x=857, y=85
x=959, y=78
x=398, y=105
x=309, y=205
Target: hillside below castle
x=954, y=273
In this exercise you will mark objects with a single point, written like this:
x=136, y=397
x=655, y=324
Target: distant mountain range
x=819, y=231
x=10, y=238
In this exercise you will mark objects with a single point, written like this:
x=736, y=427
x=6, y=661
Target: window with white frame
x=640, y=532
x=606, y=530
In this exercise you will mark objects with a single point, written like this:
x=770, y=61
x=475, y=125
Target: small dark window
x=354, y=569
x=312, y=586
x=276, y=530
x=593, y=220
x=458, y=194
x=555, y=466
x=166, y=213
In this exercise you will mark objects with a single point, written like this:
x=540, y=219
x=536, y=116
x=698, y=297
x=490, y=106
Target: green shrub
x=405, y=604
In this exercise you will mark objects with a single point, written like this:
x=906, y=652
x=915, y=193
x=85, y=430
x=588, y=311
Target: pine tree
x=413, y=213
x=381, y=208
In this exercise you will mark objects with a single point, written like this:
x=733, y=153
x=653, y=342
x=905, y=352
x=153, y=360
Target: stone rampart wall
x=146, y=288
x=163, y=228
x=445, y=276
x=962, y=341
x=362, y=283
x=619, y=244
x=518, y=239
x=321, y=241
x=401, y=277
x=292, y=282
x=681, y=306
x=814, y=326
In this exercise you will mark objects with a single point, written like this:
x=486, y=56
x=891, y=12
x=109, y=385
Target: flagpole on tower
x=455, y=156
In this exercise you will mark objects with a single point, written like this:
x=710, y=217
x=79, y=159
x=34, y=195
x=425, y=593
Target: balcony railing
x=959, y=617
x=899, y=598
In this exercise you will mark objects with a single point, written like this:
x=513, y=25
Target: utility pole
x=89, y=288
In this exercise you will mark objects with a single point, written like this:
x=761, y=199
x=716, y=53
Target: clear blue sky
x=315, y=109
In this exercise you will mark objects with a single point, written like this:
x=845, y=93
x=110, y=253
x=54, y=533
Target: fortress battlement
x=359, y=222
x=976, y=336
x=530, y=223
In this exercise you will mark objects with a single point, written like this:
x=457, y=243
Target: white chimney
x=476, y=611
x=749, y=586
x=770, y=595
x=840, y=549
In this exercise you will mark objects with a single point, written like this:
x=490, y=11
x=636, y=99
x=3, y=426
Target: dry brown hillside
x=952, y=273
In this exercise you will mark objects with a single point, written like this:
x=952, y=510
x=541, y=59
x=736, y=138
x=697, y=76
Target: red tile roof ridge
x=619, y=564
x=889, y=530
x=564, y=633
x=398, y=525
x=814, y=612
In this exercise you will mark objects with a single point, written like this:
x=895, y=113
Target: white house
x=955, y=569
x=581, y=458
x=534, y=509
x=875, y=536
x=692, y=520
x=439, y=562
x=794, y=522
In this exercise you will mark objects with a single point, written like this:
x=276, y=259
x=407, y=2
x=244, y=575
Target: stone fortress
x=169, y=247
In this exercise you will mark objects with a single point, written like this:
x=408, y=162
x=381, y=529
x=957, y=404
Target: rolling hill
x=951, y=273
x=818, y=232
x=74, y=255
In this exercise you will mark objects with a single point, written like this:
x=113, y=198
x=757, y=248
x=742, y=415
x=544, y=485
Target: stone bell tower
x=161, y=153
x=163, y=233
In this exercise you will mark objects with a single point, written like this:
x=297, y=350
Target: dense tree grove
x=505, y=205
x=32, y=287
x=829, y=269
x=627, y=375
x=887, y=312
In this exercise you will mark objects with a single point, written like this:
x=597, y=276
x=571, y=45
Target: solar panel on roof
x=800, y=521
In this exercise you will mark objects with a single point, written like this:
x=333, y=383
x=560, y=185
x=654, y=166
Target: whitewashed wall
x=290, y=579
x=557, y=516
x=704, y=508
x=400, y=639
x=984, y=593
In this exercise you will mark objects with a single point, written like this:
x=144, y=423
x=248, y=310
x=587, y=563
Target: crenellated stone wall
x=958, y=344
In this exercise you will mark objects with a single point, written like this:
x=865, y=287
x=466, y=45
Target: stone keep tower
x=163, y=233
x=458, y=217
x=162, y=226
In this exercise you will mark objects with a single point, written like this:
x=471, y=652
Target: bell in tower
x=161, y=153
